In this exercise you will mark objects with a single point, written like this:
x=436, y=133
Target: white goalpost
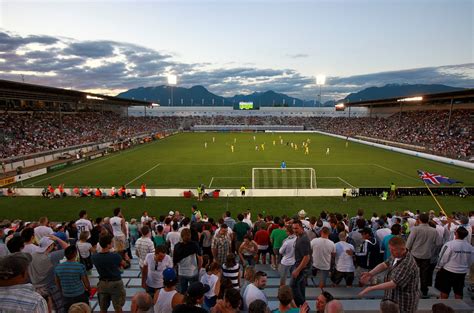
x=287, y=178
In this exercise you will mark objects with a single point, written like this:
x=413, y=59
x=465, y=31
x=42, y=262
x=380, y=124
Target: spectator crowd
x=28, y=133
x=197, y=264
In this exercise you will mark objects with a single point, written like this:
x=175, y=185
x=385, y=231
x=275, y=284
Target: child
x=211, y=278
x=85, y=249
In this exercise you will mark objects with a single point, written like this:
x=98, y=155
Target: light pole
x=320, y=81
x=172, y=80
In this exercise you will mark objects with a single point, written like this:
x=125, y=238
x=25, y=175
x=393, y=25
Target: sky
x=233, y=47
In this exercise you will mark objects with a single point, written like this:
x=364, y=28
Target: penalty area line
x=151, y=169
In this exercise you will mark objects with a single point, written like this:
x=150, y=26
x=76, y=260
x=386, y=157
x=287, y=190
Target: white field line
x=151, y=169
x=344, y=181
x=85, y=165
x=396, y=172
x=210, y=183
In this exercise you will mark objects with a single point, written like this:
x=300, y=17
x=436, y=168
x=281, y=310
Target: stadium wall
x=264, y=111
x=406, y=151
x=387, y=111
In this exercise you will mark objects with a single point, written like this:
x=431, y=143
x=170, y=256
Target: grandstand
x=87, y=141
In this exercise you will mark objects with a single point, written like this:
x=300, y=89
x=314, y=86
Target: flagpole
x=436, y=200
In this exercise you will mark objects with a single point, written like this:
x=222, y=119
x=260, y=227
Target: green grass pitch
x=182, y=161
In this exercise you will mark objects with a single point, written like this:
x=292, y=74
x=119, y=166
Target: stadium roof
x=466, y=95
x=23, y=91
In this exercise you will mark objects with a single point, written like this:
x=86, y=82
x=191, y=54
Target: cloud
x=91, y=49
x=298, y=55
x=111, y=65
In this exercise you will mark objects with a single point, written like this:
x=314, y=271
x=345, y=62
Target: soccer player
x=232, y=148
x=254, y=138
x=306, y=150
x=242, y=191
x=235, y=140
x=296, y=147
x=263, y=146
x=291, y=144
x=205, y=145
x=327, y=151
x=143, y=190
x=283, y=165
x=281, y=141
x=256, y=147
x=213, y=139
x=274, y=142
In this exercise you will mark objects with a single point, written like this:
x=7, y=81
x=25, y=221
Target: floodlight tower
x=172, y=80
x=320, y=81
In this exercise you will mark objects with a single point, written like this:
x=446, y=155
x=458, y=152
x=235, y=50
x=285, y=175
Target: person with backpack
x=85, y=250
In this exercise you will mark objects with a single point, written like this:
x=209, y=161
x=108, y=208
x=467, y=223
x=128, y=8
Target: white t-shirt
x=456, y=256
x=322, y=249
x=83, y=225
x=210, y=280
x=42, y=231
x=31, y=248
x=154, y=277
x=84, y=249
x=381, y=233
x=116, y=223
x=287, y=251
x=344, y=262
x=173, y=237
x=251, y=294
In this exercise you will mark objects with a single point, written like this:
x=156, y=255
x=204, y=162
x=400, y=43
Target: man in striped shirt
x=71, y=279
x=144, y=245
x=16, y=294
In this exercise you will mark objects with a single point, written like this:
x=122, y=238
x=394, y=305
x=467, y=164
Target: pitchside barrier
x=179, y=192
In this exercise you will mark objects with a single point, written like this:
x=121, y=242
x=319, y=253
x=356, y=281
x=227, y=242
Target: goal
x=288, y=178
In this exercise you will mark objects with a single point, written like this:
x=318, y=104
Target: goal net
x=278, y=178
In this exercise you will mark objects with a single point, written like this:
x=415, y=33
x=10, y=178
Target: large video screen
x=245, y=105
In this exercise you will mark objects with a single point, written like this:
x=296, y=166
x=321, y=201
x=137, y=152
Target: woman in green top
x=159, y=239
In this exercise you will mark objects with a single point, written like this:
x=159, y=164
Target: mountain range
x=200, y=96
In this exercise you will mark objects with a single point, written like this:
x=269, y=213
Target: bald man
x=141, y=302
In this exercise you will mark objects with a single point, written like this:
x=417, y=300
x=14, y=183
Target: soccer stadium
x=203, y=193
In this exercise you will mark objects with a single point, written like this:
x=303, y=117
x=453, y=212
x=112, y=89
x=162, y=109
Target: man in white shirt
x=83, y=224
x=323, y=249
x=143, y=246
x=118, y=227
x=43, y=230
x=173, y=237
x=287, y=252
x=254, y=290
x=153, y=267
x=145, y=218
x=382, y=231
x=344, y=261
x=455, y=259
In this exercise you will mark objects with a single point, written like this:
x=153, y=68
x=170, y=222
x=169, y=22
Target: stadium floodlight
x=410, y=99
x=172, y=81
x=320, y=81
x=94, y=97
